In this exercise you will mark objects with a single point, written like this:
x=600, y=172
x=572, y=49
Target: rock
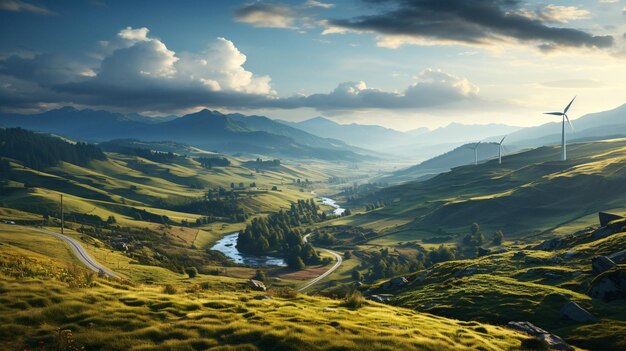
x=601, y=264
x=483, y=252
x=329, y=310
x=395, y=283
x=256, y=285
x=550, y=245
x=603, y=289
x=609, y=286
x=602, y=233
x=358, y=284
x=262, y=297
x=605, y=218
x=519, y=255
x=576, y=313
x=399, y=281
x=554, y=341
x=618, y=257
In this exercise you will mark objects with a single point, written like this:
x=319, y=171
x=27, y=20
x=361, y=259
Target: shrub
x=170, y=289
x=192, y=272
x=353, y=300
x=286, y=293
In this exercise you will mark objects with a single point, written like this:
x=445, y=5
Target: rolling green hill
x=529, y=284
x=530, y=194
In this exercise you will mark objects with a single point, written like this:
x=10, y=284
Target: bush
x=170, y=289
x=285, y=293
x=353, y=300
x=192, y=272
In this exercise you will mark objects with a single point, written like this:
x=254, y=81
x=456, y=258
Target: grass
x=505, y=196
x=117, y=317
x=532, y=289
x=204, y=313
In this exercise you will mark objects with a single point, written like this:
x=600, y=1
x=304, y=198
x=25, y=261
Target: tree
x=498, y=237
x=356, y=275
x=347, y=212
x=296, y=263
x=232, y=185
x=347, y=255
x=111, y=220
x=192, y=272
x=261, y=276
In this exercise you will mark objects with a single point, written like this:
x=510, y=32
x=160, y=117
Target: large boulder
x=256, y=285
x=609, y=286
x=573, y=311
x=601, y=264
x=555, y=342
x=605, y=218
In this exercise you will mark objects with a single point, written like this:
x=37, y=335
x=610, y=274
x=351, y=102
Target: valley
x=174, y=234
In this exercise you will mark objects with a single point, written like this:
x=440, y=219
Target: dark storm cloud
x=467, y=21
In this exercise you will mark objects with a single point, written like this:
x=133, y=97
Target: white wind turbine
x=500, y=150
x=564, y=115
x=475, y=148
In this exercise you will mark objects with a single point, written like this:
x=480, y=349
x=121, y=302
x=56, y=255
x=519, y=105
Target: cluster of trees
x=475, y=238
x=385, y=264
x=220, y=193
x=258, y=165
x=39, y=151
x=143, y=215
x=277, y=234
x=210, y=162
x=213, y=210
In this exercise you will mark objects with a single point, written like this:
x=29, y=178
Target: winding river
x=228, y=244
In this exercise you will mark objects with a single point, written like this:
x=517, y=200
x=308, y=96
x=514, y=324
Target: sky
x=402, y=64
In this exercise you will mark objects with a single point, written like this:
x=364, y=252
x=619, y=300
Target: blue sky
x=378, y=62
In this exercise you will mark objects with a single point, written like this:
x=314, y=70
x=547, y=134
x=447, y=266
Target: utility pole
x=62, y=218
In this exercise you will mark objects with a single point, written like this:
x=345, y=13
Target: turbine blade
x=501, y=141
x=554, y=113
x=570, y=123
x=568, y=106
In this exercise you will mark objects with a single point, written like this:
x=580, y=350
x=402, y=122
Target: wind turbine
x=475, y=148
x=564, y=115
x=500, y=150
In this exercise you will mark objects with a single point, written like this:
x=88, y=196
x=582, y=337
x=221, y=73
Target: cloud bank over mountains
x=137, y=71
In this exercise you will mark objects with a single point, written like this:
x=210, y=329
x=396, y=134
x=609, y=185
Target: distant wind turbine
x=564, y=115
x=500, y=150
x=475, y=148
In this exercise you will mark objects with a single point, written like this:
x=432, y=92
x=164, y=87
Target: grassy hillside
x=525, y=284
x=531, y=194
x=48, y=303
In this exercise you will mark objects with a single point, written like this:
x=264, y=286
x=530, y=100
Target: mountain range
x=211, y=130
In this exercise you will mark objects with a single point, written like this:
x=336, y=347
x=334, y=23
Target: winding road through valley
x=79, y=251
x=338, y=262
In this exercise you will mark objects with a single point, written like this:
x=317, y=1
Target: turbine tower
x=564, y=115
x=500, y=150
x=475, y=148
